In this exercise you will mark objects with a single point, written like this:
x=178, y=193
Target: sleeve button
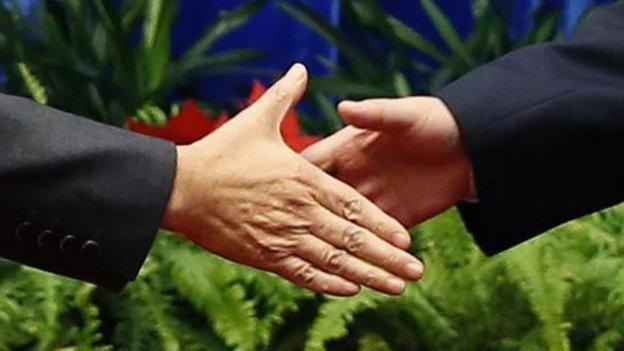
x=24, y=230
x=91, y=249
x=45, y=239
x=69, y=244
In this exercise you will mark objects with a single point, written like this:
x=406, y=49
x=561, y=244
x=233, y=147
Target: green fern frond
x=148, y=300
x=609, y=340
x=145, y=322
x=415, y=303
x=543, y=278
x=373, y=342
x=89, y=335
x=12, y=333
x=151, y=114
x=210, y=285
x=51, y=306
x=276, y=297
x=33, y=85
x=336, y=314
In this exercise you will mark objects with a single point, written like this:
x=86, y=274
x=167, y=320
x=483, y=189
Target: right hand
x=406, y=155
x=241, y=193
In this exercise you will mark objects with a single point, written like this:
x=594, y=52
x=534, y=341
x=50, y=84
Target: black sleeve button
x=69, y=244
x=91, y=249
x=24, y=231
x=45, y=239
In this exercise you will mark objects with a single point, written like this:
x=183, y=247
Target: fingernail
x=297, y=71
x=415, y=270
x=402, y=240
x=395, y=285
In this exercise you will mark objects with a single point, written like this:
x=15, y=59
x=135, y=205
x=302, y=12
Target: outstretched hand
x=243, y=194
x=406, y=155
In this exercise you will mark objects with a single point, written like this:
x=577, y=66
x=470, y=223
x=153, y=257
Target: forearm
x=543, y=127
x=79, y=198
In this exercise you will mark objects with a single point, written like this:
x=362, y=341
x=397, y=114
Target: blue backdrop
x=286, y=41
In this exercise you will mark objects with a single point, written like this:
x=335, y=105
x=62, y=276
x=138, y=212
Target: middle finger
x=360, y=242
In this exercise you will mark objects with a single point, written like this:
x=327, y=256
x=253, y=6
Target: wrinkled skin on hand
x=406, y=155
x=241, y=193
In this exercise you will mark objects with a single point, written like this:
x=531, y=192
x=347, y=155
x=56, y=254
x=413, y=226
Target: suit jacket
x=544, y=128
x=76, y=197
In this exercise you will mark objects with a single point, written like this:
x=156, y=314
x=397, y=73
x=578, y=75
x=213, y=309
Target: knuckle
x=352, y=209
x=281, y=92
x=304, y=175
x=389, y=260
x=390, y=231
x=300, y=173
x=370, y=278
x=301, y=242
x=305, y=274
x=336, y=259
x=379, y=226
x=300, y=205
x=324, y=230
x=381, y=113
x=353, y=239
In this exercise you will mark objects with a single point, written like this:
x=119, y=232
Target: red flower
x=192, y=124
x=223, y=119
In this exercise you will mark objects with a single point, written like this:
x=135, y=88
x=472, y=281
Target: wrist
x=177, y=199
x=463, y=165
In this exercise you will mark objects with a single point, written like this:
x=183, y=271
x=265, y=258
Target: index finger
x=325, y=153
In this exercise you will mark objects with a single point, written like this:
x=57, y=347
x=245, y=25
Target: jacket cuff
x=159, y=167
x=503, y=215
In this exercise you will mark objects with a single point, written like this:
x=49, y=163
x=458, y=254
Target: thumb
x=281, y=97
x=383, y=114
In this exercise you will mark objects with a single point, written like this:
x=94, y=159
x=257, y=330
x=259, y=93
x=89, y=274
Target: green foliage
x=561, y=291
x=39, y=311
x=109, y=62
x=335, y=315
x=407, y=63
x=32, y=84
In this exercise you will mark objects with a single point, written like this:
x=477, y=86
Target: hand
x=406, y=155
x=241, y=193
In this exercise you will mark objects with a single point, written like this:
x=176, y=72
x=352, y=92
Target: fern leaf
x=147, y=300
x=276, y=297
x=335, y=316
x=541, y=277
x=373, y=342
x=208, y=283
x=416, y=304
x=33, y=85
x=89, y=336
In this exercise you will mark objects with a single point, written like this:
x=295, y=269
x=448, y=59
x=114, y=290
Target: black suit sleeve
x=78, y=198
x=544, y=127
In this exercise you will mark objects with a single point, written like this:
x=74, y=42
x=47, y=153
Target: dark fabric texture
x=544, y=127
x=79, y=198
